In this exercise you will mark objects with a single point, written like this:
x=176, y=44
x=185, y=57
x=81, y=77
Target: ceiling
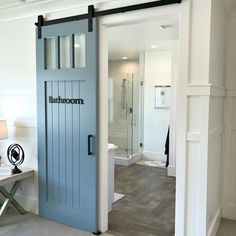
x=131, y=40
x=10, y=9
x=14, y=9
x=6, y=5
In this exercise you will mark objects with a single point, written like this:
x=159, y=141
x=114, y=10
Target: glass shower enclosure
x=123, y=115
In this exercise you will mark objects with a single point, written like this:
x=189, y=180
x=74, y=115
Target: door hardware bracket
x=90, y=17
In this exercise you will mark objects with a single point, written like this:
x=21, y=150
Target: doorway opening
x=142, y=71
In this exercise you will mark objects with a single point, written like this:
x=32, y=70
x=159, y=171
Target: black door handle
x=90, y=139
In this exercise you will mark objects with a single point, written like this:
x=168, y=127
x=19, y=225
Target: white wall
x=229, y=193
x=18, y=97
x=158, y=70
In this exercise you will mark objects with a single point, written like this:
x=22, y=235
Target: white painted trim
x=215, y=223
x=217, y=91
x=229, y=210
x=171, y=171
x=193, y=137
x=103, y=129
x=231, y=92
x=181, y=119
x=198, y=90
x=204, y=130
x=205, y=90
x=127, y=161
x=181, y=11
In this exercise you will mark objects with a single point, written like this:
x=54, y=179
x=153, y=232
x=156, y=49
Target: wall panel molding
x=229, y=206
x=231, y=92
x=193, y=137
x=205, y=90
x=215, y=223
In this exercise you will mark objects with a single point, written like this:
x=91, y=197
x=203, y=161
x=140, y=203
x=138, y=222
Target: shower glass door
x=121, y=114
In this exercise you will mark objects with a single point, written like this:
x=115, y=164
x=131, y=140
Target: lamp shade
x=3, y=129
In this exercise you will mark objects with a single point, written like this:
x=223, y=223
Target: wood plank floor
x=227, y=227
x=149, y=205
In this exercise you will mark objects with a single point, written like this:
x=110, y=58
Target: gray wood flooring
x=227, y=228
x=148, y=209
x=149, y=205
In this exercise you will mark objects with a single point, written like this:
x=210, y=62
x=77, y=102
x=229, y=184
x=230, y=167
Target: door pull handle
x=90, y=144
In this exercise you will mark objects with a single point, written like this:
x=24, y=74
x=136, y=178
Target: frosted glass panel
x=50, y=50
x=64, y=52
x=79, y=51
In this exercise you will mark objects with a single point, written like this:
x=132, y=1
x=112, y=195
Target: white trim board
x=215, y=223
x=180, y=12
x=205, y=90
x=231, y=92
x=171, y=171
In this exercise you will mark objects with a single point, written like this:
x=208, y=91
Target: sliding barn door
x=67, y=74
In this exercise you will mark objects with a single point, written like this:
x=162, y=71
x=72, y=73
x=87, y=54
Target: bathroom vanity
x=111, y=173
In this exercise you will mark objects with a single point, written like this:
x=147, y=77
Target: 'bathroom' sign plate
x=66, y=100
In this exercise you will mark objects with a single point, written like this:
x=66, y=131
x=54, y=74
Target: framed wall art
x=162, y=96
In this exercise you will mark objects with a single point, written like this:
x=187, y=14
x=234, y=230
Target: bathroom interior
x=142, y=70
x=142, y=75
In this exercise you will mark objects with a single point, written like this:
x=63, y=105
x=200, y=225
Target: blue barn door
x=67, y=73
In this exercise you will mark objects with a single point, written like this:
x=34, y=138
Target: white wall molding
x=215, y=223
x=171, y=171
x=231, y=92
x=198, y=90
x=193, y=137
x=229, y=202
x=217, y=91
x=205, y=90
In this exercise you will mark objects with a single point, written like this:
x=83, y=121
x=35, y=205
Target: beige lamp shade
x=3, y=129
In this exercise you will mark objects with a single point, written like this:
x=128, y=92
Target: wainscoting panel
x=229, y=193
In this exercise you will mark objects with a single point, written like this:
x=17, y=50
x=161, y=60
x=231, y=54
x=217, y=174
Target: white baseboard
x=171, y=171
x=215, y=223
x=127, y=161
x=229, y=211
x=29, y=204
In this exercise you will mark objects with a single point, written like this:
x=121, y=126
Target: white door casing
x=174, y=11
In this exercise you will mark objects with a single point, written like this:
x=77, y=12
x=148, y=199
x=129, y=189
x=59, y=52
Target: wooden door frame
x=181, y=11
